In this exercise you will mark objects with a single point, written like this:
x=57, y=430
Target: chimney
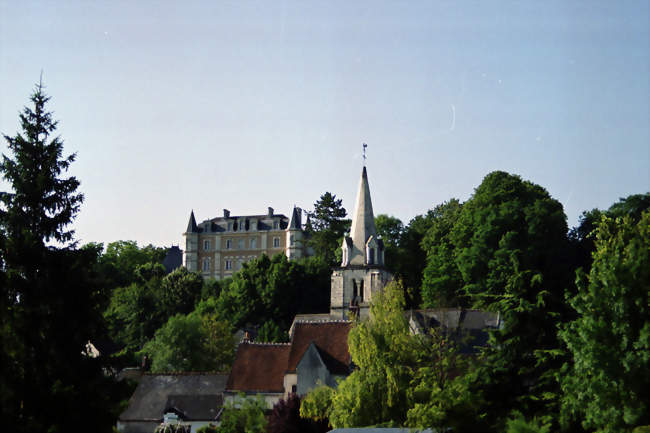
x=226, y=213
x=270, y=211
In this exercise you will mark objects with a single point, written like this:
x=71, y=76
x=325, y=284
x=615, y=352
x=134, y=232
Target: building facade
x=219, y=247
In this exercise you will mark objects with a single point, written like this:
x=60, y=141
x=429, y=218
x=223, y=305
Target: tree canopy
x=327, y=227
x=607, y=382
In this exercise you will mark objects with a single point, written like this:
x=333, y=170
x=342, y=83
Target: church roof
x=191, y=224
x=363, y=221
x=259, y=367
x=331, y=339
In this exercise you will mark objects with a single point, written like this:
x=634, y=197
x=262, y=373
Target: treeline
x=573, y=353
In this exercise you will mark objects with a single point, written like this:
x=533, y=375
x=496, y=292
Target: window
x=294, y=389
x=240, y=244
x=206, y=245
x=276, y=225
x=228, y=244
x=253, y=225
x=206, y=265
x=253, y=243
x=293, y=240
x=371, y=256
x=229, y=227
x=228, y=265
x=276, y=242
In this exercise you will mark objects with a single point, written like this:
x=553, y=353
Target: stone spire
x=191, y=224
x=363, y=222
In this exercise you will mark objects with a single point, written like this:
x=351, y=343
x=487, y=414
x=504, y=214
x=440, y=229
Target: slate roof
x=469, y=327
x=173, y=259
x=191, y=224
x=331, y=339
x=151, y=396
x=259, y=367
x=296, y=217
x=191, y=407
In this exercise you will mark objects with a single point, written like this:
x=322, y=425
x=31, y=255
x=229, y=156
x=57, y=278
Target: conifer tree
x=50, y=308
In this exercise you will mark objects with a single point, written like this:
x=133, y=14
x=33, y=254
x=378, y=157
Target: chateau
x=218, y=247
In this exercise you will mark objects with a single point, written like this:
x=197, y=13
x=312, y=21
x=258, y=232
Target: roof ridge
x=263, y=343
x=322, y=321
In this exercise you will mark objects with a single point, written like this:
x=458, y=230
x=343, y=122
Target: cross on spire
x=364, y=154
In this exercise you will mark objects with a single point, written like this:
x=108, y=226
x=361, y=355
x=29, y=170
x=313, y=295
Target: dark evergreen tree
x=50, y=307
x=327, y=227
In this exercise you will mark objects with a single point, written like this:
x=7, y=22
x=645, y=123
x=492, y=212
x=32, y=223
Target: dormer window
x=276, y=225
x=371, y=255
x=253, y=225
x=229, y=226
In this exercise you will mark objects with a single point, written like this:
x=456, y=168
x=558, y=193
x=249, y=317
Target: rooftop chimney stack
x=270, y=211
x=226, y=213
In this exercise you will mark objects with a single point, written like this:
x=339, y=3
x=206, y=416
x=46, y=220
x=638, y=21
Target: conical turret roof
x=363, y=221
x=191, y=224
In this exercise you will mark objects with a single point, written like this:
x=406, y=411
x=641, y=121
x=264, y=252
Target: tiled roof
x=150, y=397
x=259, y=367
x=331, y=339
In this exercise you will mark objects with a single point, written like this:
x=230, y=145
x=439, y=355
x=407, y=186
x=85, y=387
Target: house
x=317, y=353
x=219, y=246
x=191, y=398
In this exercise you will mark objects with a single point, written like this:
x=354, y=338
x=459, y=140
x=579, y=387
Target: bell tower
x=362, y=272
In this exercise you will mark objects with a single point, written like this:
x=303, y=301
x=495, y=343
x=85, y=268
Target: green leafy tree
x=119, y=262
x=49, y=302
x=510, y=247
x=191, y=343
x=317, y=405
x=285, y=418
x=390, y=229
x=327, y=227
x=274, y=290
x=442, y=280
x=607, y=383
x=180, y=291
x=409, y=263
x=246, y=415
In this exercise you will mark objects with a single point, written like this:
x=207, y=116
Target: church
x=318, y=348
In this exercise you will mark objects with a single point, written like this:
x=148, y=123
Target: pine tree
x=50, y=308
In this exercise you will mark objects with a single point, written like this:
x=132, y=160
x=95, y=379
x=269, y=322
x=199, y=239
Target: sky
x=206, y=105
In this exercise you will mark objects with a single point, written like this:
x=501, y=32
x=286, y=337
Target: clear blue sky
x=173, y=106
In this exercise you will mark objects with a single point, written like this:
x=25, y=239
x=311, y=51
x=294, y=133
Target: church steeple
x=363, y=222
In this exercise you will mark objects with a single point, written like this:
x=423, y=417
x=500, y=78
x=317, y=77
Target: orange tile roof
x=331, y=338
x=259, y=367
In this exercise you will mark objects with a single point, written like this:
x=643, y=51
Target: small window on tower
x=206, y=245
x=228, y=244
x=276, y=225
x=276, y=242
x=228, y=265
x=206, y=265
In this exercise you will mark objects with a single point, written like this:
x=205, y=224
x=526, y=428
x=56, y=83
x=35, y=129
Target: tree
x=510, y=247
x=401, y=378
x=327, y=227
x=607, y=383
x=285, y=418
x=442, y=281
x=50, y=306
x=180, y=291
x=191, y=343
x=246, y=415
x=390, y=230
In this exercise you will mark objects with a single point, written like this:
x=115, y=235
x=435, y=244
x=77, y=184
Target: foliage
x=408, y=262
x=244, y=416
x=285, y=418
x=119, y=262
x=318, y=404
x=401, y=378
x=274, y=290
x=583, y=236
x=442, y=281
x=327, y=227
x=136, y=311
x=518, y=424
x=191, y=343
x=439, y=394
x=607, y=384
x=390, y=229
x=49, y=304
x=508, y=244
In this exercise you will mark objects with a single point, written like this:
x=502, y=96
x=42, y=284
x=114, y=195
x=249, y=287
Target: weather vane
x=364, y=154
